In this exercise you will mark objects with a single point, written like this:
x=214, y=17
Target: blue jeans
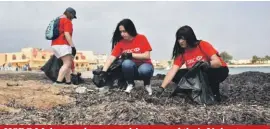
x=133, y=72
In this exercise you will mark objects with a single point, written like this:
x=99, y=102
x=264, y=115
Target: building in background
x=3, y=59
x=244, y=61
x=35, y=58
x=91, y=59
x=101, y=59
x=84, y=62
x=161, y=64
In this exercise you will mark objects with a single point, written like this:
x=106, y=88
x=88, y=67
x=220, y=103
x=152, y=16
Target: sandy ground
x=30, y=93
x=30, y=98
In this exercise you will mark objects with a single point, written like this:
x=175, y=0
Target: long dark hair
x=186, y=33
x=129, y=27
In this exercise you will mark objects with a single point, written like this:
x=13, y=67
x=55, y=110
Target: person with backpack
x=189, y=50
x=135, y=50
x=62, y=43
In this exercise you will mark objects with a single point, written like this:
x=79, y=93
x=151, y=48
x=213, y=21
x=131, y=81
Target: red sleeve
x=67, y=26
x=179, y=61
x=145, y=44
x=117, y=51
x=208, y=49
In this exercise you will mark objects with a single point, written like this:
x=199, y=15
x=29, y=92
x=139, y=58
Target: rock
x=81, y=90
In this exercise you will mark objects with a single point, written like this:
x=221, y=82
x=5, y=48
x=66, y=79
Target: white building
x=243, y=61
x=89, y=55
x=101, y=58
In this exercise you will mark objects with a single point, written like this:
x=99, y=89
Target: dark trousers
x=215, y=77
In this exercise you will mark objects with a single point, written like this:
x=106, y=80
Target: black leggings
x=215, y=76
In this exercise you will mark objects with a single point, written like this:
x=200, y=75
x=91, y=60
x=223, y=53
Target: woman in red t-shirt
x=188, y=50
x=63, y=46
x=135, y=49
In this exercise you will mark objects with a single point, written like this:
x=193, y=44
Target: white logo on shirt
x=137, y=49
x=192, y=61
x=199, y=58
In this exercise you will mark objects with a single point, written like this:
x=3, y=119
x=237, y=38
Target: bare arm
x=69, y=39
x=215, y=61
x=108, y=62
x=170, y=75
x=145, y=55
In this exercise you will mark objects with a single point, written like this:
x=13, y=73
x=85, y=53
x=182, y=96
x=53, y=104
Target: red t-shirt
x=139, y=44
x=65, y=25
x=191, y=56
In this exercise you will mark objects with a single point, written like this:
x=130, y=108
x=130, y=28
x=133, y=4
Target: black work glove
x=205, y=66
x=73, y=52
x=160, y=91
x=126, y=56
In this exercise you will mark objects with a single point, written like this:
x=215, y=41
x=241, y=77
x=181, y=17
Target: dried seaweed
x=248, y=103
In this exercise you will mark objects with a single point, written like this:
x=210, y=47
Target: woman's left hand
x=126, y=56
x=205, y=65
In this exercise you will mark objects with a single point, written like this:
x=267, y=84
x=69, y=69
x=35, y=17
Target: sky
x=240, y=28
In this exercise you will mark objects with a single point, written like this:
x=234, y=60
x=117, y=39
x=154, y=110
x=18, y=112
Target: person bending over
x=188, y=50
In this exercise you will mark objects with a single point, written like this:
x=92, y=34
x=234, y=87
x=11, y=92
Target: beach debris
x=81, y=90
x=248, y=97
x=14, y=84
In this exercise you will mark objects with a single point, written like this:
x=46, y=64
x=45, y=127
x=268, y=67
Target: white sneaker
x=129, y=88
x=148, y=88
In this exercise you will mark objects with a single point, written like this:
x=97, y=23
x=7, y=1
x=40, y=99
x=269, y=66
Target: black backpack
x=52, y=30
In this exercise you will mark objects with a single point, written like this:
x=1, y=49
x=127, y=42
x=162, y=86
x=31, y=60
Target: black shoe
x=68, y=83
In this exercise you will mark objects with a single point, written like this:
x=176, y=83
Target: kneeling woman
x=135, y=49
x=188, y=50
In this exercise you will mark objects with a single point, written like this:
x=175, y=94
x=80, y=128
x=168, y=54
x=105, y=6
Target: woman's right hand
x=170, y=75
x=73, y=51
x=160, y=91
x=126, y=56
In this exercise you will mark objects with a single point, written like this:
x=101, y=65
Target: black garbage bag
x=114, y=76
x=196, y=85
x=52, y=67
x=76, y=79
x=97, y=80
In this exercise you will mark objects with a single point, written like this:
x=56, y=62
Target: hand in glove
x=73, y=51
x=160, y=91
x=205, y=65
x=126, y=56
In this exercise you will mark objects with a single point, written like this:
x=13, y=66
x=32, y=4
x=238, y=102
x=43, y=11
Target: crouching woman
x=188, y=50
x=135, y=49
